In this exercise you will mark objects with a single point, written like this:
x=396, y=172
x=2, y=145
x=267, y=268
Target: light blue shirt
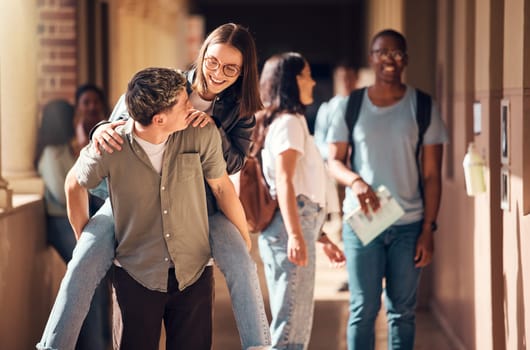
x=334, y=108
x=385, y=140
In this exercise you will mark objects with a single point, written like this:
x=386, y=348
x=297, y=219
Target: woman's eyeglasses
x=384, y=54
x=230, y=70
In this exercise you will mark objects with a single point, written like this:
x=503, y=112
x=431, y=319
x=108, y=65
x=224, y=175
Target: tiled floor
x=331, y=314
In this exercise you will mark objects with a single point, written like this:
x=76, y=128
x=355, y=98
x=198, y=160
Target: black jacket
x=235, y=133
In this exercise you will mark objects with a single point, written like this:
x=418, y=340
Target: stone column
x=19, y=94
x=384, y=14
x=6, y=201
x=145, y=34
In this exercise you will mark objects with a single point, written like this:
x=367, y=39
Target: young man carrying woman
x=223, y=88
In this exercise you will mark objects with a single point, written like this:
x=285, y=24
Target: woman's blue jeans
x=94, y=254
x=291, y=287
x=239, y=269
x=95, y=332
x=389, y=256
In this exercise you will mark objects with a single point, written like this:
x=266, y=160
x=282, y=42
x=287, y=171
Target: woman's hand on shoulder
x=198, y=118
x=107, y=138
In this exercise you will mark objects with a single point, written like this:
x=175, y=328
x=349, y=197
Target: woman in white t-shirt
x=295, y=173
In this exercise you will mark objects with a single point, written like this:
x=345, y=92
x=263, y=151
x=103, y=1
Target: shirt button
x=166, y=259
x=165, y=211
x=167, y=234
x=163, y=188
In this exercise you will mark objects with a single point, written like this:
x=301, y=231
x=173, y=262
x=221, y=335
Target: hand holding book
x=368, y=199
x=368, y=225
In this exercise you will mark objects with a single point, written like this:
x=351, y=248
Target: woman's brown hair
x=246, y=85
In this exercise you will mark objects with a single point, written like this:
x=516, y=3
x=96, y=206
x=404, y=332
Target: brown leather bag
x=254, y=192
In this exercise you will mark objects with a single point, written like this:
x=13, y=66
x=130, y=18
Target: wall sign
x=505, y=189
x=505, y=132
x=477, y=118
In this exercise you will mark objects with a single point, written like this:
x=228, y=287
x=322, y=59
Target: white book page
x=369, y=226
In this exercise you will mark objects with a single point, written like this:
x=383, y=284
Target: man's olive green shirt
x=159, y=218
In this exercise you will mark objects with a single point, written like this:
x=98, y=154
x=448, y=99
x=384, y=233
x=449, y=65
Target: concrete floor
x=331, y=314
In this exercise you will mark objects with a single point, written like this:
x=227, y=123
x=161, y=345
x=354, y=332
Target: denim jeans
x=95, y=331
x=391, y=256
x=291, y=287
x=234, y=261
x=90, y=262
x=94, y=254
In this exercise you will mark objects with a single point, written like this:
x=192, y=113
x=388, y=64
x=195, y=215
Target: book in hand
x=369, y=226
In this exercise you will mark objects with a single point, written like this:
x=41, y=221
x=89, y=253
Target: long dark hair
x=246, y=85
x=279, y=92
x=278, y=85
x=56, y=127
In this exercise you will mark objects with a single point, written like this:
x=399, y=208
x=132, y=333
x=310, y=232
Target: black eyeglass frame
x=398, y=55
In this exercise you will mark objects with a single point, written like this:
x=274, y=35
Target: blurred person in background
x=345, y=79
x=91, y=108
x=344, y=82
x=58, y=145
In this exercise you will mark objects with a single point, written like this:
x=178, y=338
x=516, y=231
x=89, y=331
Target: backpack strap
x=353, y=107
x=423, y=113
x=423, y=119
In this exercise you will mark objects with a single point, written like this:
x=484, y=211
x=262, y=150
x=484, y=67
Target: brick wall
x=57, y=52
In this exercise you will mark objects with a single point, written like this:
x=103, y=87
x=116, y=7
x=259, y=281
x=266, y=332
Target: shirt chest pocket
x=188, y=167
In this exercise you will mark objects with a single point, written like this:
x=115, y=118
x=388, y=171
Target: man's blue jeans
x=94, y=254
x=389, y=256
x=291, y=287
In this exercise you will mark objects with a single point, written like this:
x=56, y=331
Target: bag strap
x=353, y=107
x=423, y=119
x=423, y=113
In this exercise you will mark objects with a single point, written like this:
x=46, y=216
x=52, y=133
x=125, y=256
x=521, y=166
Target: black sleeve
x=95, y=127
x=236, y=143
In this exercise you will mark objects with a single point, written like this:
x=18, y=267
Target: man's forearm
x=432, y=195
x=76, y=203
x=341, y=173
x=230, y=205
x=432, y=183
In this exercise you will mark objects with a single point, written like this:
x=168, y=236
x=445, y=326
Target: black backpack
x=423, y=119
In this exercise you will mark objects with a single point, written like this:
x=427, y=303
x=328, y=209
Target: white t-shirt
x=289, y=131
x=155, y=152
